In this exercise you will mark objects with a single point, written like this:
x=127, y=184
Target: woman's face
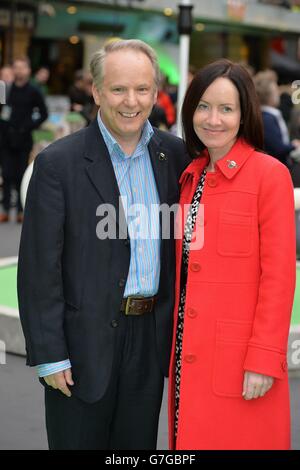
x=218, y=116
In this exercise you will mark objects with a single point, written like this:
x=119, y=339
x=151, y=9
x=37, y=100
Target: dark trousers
x=126, y=418
x=14, y=164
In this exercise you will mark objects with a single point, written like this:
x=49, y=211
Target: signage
x=22, y=19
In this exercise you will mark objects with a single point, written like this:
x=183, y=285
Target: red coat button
x=190, y=358
x=212, y=182
x=192, y=313
x=195, y=267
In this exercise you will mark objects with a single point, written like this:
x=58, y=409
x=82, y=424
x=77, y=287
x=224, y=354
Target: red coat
x=238, y=305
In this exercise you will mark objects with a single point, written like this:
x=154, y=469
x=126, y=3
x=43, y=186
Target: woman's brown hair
x=251, y=128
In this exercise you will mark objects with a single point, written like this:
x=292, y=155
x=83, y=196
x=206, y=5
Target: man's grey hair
x=97, y=62
x=264, y=88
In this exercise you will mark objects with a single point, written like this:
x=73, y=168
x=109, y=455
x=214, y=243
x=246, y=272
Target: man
x=41, y=79
x=276, y=135
x=6, y=80
x=7, y=74
x=101, y=307
x=23, y=112
x=77, y=93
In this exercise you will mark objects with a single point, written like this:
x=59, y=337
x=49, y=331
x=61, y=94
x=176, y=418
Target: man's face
x=42, y=75
x=127, y=94
x=274, y=99
x=21, y=70
x=7, y=74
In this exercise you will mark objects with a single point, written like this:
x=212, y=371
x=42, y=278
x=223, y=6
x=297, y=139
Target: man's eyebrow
x=125, y=86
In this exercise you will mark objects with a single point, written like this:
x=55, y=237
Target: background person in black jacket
x=23, y=112
x=7, y=78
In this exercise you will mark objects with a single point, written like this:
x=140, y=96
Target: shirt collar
x=113, y=146
x=270, y=109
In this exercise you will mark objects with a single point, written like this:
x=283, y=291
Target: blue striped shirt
x=140, y=202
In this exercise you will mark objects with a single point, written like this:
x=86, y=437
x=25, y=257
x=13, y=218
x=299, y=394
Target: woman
x=234, y=296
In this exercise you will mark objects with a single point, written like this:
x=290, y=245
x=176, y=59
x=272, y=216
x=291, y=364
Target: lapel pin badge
x=162, y=156
x=231, y=164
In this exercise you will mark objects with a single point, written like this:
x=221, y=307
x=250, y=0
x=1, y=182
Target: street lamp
x=185, y=27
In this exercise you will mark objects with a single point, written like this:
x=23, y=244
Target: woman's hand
x=256, y=385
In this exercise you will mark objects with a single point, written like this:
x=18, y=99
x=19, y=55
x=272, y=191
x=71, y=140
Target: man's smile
x=129, y=115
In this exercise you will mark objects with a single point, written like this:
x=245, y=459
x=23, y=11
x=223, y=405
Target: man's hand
x=60, y=381
x=256, y=385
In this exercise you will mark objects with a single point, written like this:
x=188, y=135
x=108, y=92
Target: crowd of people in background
x=25, y=110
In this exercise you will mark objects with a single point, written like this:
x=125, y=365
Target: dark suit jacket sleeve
x=39, y=103
x=40, y=287
x=274, y=144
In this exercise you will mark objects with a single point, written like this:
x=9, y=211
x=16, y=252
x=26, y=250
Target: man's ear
x=96, y=94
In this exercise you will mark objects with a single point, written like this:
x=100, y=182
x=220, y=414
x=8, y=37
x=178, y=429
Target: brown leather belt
x=137, y=305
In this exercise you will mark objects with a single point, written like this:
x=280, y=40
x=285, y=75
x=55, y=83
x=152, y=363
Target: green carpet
x=8, y=286
x=8, y=291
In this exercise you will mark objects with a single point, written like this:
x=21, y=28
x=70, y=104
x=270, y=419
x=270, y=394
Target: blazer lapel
x=101, y=173
x=159, y=160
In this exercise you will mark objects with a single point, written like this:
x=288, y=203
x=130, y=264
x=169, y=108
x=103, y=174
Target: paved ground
x=9, y=238
x=22, y=414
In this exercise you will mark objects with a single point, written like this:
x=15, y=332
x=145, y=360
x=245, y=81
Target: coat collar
x=229, y=165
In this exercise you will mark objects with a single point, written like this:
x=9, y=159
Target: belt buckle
x=136, y=297
x=127, y=305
